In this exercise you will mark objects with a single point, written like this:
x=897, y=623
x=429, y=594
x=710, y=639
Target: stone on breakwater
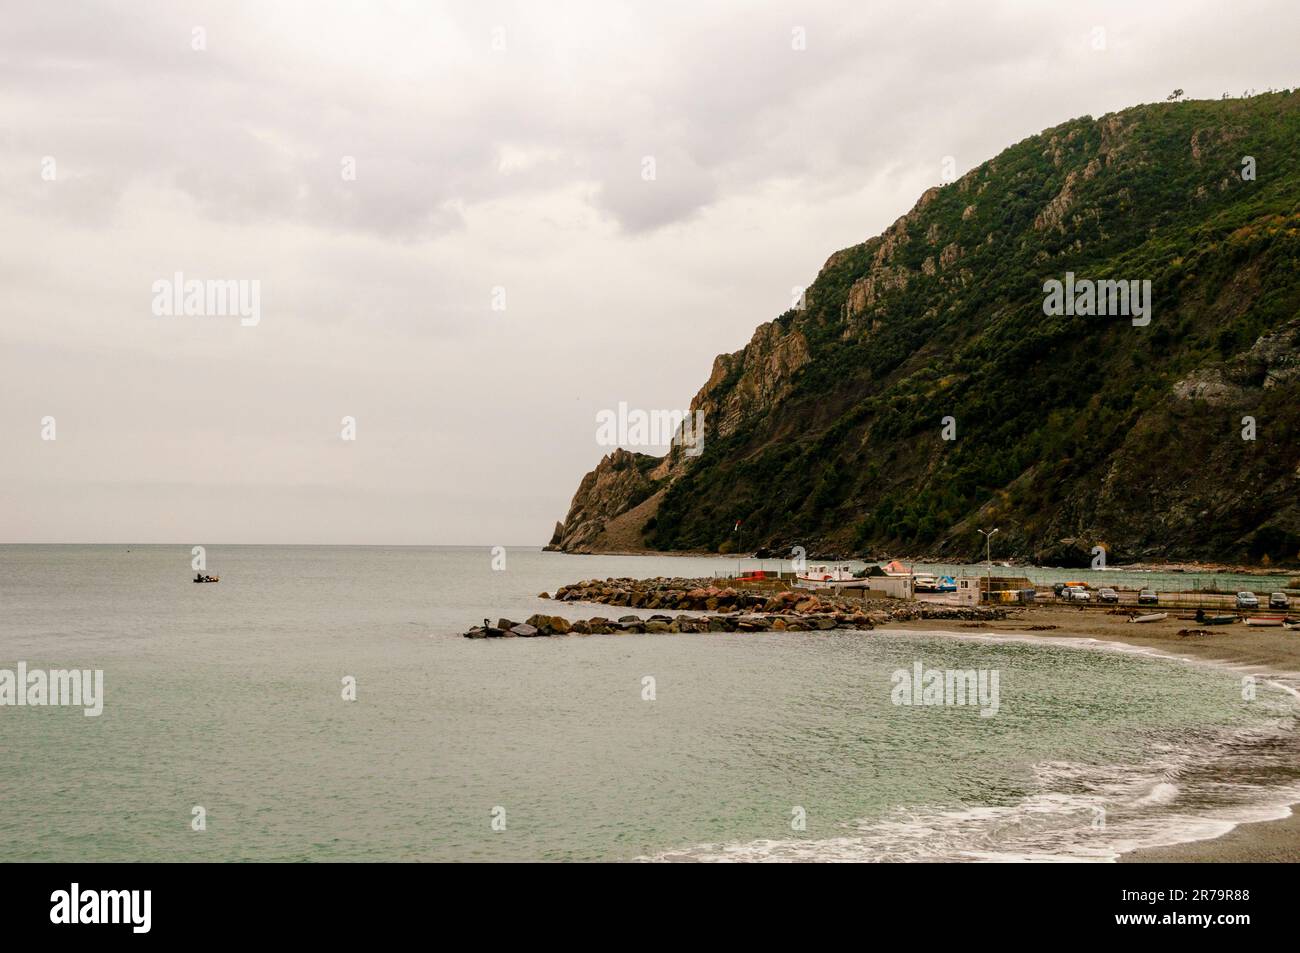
x=550, y=624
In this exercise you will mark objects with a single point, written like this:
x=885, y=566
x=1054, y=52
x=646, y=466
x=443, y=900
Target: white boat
x=826, y=577
x=1152, y=617
x=1266, y=620
x=925, y=582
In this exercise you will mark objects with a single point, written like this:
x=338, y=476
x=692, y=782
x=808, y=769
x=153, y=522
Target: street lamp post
x=988, y=556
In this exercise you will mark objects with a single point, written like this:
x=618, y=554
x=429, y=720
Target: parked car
x=1247, y=600
x=1278, y=600
x=1076, y=594
x=1107, y=595
x=1148, y=597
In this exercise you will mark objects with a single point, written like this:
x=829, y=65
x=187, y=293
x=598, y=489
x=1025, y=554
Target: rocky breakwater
x=722, y=609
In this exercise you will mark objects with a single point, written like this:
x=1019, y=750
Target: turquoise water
x=228, y=697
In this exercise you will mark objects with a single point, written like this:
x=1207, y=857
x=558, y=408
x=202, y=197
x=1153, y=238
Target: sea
x=320, y=704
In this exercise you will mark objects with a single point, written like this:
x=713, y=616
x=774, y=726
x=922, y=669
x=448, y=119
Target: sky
x=456, y=237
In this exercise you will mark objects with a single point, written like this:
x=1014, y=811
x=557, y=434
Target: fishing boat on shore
x=1266, y=620
x=826, y=577
x=1150, y=617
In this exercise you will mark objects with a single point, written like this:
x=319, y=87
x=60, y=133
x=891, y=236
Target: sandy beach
x=1271, y=650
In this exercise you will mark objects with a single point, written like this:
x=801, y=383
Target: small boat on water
x=1150, y=617
x=1275, y=620
x=207, y=579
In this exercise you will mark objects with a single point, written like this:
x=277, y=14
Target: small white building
x=895, y=587
x=968, y=590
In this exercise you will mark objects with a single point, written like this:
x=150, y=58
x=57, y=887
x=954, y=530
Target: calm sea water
x=228, y=696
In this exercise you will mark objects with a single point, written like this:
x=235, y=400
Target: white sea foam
x=1162, y=793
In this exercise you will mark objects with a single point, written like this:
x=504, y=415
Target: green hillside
x=1071, y=430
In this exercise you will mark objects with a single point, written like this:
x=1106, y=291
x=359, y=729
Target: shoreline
x=1271, y=654
x=1190, y=567
x=1251, y=842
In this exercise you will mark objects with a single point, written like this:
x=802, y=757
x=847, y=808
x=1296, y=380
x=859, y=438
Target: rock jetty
x=723, y=609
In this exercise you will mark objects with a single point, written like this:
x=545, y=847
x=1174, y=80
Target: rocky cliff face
x=751, y=381
x=605, y=514
x=922, y=391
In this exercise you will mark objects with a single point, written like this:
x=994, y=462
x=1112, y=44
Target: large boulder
x=549, y=624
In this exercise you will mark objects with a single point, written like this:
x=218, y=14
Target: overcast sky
x=127, y=155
